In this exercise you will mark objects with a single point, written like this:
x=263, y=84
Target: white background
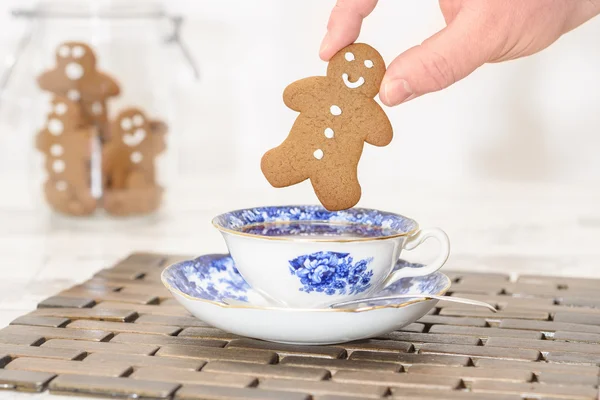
x=533, y=119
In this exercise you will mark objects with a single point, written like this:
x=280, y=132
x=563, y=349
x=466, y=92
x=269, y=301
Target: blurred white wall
x=535, y=119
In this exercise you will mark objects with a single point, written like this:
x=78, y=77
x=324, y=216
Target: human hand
x=476, y=32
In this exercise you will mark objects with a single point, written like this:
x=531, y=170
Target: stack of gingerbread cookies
x=84, y=149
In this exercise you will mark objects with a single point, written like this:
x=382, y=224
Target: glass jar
x=91, y=92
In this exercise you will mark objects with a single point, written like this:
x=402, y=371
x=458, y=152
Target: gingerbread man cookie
x=128, y=164
x=338, y=114
x=67, y=147
x=76, y=77
x=128, y=158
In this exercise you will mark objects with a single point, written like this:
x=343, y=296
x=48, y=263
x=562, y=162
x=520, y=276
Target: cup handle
x=415, y=240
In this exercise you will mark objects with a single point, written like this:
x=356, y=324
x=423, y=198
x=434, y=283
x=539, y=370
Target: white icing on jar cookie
x=74, y=71
x=136, y=157
x=58, y=166
x=55, y=126
x=56, y=150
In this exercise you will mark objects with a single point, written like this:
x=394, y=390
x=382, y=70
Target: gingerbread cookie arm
x=159, y=130
x=110, y=87
x=380, y=132
x=300, y=94
x=50, y=81
x=42, y=142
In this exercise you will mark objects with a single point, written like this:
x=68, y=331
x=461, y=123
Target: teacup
x=308, y=257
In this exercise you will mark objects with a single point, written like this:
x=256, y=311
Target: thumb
x=443, y=59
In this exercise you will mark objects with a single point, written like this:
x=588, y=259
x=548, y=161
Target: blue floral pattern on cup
x=332, y=273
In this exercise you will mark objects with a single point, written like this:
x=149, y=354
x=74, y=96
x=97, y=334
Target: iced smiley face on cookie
x=337, y=116
x=359, y=68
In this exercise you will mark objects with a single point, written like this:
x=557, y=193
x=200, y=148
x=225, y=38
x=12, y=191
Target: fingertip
x=323, y=50
x=395, y=91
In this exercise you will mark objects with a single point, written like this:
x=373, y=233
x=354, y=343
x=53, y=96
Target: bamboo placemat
x=121, y=334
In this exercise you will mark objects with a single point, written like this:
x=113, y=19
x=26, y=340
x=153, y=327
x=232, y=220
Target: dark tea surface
x=317, y=230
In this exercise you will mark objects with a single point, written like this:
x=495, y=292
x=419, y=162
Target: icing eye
x=60, y=108
x=78, y=51
x=368, y=63
x=138, y=120
x=126, y=124
x=64, y=51
x=349, y=56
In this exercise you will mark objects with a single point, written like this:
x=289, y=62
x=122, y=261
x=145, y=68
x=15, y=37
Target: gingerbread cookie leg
x=279, y=170
x=337, y=191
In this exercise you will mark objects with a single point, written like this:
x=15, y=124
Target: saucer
x=202, y=284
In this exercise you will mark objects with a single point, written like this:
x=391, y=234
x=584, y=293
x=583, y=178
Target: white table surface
x=507, y=227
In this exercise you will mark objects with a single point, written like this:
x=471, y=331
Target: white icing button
x=61, y=186
x=74, y=71
x=335, y=110
x=138, y=120
x=328, y=133
x=56, y=150
x=97, y=108
x=64, y=51
x=55, y=126
x=318, y=154
x=349, y=56
x=73, y=95
x=126, y=124
x=136, y=157
x=368, y=63
x=58, y=166
x=60, y=108
x=78, y=51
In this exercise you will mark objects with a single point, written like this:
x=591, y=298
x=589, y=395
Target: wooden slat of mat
x=201, y=392
x=58, y=333
x=110, y=386
x=268, y=370
x=194, y=377
x=26, y=381
x=121, y=333
x=115, y=369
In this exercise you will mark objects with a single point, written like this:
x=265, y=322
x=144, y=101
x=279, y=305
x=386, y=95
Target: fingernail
x=324, y=43
x=396, y=91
